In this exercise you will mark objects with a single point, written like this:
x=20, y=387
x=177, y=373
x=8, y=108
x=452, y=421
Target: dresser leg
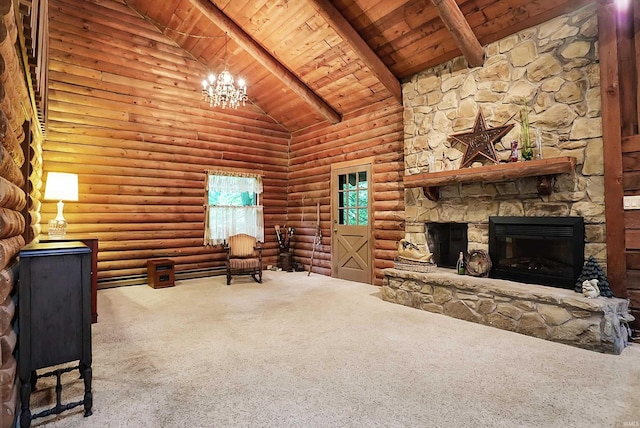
x=25, y=393
x=88, y=395
x=34, y=380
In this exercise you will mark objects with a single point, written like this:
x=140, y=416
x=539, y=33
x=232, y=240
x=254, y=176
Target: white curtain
x=227, y=221
x=236, y=183
x=223, y=221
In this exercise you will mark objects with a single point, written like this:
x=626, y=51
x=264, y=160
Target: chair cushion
x=244, y=263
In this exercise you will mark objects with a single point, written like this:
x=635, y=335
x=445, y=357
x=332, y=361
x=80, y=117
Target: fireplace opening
x=537, y=250
x=446, y=240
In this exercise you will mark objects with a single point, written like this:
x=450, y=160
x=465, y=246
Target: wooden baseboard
x=142, y=279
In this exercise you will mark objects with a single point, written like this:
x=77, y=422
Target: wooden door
x=351, y=214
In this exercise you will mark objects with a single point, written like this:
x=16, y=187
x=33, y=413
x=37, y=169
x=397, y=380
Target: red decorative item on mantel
x=514, y=151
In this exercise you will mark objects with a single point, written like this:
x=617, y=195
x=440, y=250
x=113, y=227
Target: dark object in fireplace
x=537, y=250
x=446, y=240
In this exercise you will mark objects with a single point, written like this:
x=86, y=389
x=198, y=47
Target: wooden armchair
x=244, y=257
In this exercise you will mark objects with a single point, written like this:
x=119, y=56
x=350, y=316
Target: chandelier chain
x=216, y=90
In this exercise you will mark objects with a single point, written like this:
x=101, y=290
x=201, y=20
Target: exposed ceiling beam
x=261, y=55
x=461, y=31
x=341, y=26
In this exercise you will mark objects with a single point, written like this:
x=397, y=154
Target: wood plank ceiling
x=311, y=61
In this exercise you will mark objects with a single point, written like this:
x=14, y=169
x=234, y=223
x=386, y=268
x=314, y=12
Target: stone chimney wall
x=554, y=66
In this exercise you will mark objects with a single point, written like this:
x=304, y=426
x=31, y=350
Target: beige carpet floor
x=300, y=351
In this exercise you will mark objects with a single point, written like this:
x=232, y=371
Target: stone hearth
x=549, y=313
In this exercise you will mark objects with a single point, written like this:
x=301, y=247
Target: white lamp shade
x=61, y=186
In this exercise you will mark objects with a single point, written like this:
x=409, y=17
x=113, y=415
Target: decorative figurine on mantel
x=479, y=142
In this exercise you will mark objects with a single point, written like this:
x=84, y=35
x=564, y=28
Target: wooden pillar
x=612, y=140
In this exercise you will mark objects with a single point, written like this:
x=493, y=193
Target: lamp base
x=57, y=229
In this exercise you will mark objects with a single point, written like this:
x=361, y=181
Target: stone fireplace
x=553, y=66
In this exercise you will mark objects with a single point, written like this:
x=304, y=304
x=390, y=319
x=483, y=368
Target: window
x=233, y=206
x=353, y=199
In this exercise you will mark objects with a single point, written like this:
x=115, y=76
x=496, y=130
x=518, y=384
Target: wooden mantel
x=541, y=168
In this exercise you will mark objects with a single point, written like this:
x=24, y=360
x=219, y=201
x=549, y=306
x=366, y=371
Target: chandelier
x=220, y=90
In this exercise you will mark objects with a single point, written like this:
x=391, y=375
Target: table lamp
x=60, y=186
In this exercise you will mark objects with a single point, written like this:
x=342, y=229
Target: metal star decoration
x=480, y=141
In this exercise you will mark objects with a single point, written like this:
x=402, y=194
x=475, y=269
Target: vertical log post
x=612, y=143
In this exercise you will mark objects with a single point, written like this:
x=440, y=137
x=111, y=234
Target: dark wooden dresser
x=92, y=243
x=54, y=316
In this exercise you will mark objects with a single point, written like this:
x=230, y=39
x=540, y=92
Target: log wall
x=20, y=136
x=125, y=113
x=376, y=131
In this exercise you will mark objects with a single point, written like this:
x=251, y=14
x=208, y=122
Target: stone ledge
x=549, y=313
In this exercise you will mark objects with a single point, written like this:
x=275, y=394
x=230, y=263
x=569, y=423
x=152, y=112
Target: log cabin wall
x=125, y=113
x=20, y=132
x=376, y=131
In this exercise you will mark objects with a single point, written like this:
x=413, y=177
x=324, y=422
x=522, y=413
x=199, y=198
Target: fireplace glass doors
x=537, y=250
